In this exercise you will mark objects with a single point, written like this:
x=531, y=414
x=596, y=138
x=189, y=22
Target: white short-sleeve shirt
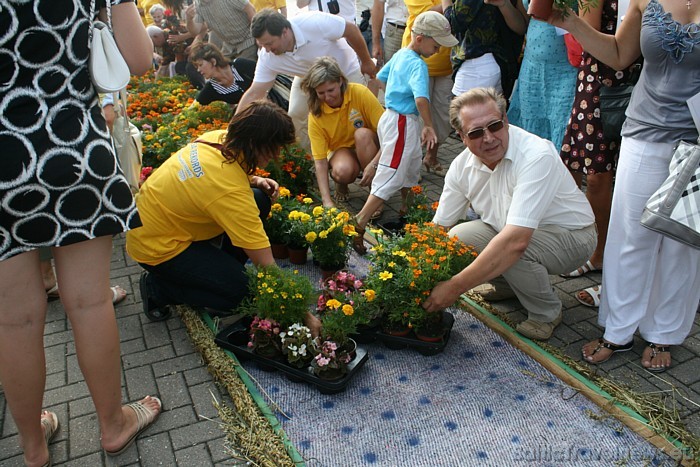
x=316, y=35
x=530, y=187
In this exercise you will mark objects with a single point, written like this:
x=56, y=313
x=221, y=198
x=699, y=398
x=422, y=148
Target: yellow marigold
x=376, y=231
x=323, y=234
x=284, y=295
x=310, y=237
x=277, y=207
x=385, y=275
x=285, y=193
x=333, y=303
x=318, y=210
x=348, y=310
x=307, y=201
x=370, y=295
x=400, y=253
x=391, y=264
x=149, y=137
x=349, y=230
x=269, y=290
x=304, y=217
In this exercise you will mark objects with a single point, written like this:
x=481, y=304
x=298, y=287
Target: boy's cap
x=435, y=25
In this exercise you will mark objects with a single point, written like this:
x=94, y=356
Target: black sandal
x=610, y=346
x=655, y=351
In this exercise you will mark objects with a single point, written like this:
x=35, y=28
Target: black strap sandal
x=610, y=346
x=655, y=351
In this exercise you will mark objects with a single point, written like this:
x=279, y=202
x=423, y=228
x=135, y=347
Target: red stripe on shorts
x=400, y=142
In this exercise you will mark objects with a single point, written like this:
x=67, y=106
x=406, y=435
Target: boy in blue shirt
x=407, y=99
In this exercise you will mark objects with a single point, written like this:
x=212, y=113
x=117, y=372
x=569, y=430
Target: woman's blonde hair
x=323, y=70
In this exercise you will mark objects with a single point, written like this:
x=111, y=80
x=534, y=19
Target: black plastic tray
x=235, y=338
x=410, y=341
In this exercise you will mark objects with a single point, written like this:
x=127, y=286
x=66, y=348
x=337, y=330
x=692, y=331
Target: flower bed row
x=165, y=111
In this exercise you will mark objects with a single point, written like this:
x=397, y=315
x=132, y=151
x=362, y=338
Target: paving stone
x=196, y=455
x=197, y=375
x=91, y=459
x=130, y=328
x=65, y=393
x=84, y=435
x=220, y=454
x=157, y=450
x=173, y=419
x=133, y=346
x=148, y=357
x=181, y=342
x=173, y=388
x=173, y=365
x=203, y=401
x=140, y=382
x=56, y=338
x=194, y=434
x=80, y=407
x=73, y=372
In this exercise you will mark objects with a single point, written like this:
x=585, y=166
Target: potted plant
x=542, y=9
x=298, y=345
x=330, y=238
x=299, y=226
x=279, y=296
x=419, y=209
x=265, y=337
x=406, y=268
x=277, y=223
x=331, y=362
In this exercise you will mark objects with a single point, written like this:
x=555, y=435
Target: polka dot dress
x=59, y=179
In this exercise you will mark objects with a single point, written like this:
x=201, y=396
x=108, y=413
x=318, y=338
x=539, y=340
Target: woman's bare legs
x=83, y=272
x=22, y=362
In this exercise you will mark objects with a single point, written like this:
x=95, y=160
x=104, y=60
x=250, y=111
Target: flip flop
x=51, y=425
x=144, y=419
x=585, y=269
x=52, y=294
x=655, y=351
x=610, y=346
x=594, y=292
x=118, y=294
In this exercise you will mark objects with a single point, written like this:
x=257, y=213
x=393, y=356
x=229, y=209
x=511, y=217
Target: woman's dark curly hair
x=262, y=128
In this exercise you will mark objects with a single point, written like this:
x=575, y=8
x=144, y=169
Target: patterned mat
x=480, y=402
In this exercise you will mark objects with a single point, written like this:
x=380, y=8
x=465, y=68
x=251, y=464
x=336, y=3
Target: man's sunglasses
x=493, y=127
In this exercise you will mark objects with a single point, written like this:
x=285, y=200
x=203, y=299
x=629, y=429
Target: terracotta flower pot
x=328, y=271
x=297, y=255
x=396, y=329
x=540, y=9
x=279, y=250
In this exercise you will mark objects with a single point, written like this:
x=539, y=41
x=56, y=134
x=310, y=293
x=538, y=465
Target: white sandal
x=594, y=292
x=585, y=269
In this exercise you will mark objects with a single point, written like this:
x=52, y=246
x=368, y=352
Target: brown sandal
x=358, y=241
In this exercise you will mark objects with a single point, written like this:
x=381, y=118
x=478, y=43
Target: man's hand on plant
x=313, y=323
x=444, y=294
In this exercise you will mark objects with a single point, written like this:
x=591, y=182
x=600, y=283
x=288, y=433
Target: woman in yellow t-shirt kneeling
x=202, y=214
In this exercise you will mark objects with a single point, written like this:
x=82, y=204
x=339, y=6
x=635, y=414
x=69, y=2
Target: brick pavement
x=158, y=358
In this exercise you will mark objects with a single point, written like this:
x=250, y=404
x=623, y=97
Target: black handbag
x=613, y=104
x=614, y=101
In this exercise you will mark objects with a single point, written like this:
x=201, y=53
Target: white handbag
x=674, y=209
x=127, y=142
x=108, y=69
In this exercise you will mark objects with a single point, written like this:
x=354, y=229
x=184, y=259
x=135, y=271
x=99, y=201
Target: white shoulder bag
x=108, y=69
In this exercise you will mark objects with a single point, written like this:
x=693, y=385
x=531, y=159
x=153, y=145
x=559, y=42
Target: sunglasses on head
x=493, y=127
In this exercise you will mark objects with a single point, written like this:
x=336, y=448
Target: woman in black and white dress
x=61, y=187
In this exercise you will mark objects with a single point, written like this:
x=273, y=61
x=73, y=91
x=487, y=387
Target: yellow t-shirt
x=195, y=196
x=335, y=128
x=274, y=4
x=439, y=64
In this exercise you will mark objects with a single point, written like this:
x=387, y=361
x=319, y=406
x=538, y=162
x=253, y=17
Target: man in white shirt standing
x=388, y=22
x=534, y=219
x=291, y=46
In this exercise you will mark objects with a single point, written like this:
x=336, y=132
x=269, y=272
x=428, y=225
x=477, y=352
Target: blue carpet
x=480, y=402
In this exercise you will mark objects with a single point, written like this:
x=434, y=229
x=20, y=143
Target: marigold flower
x=370, y=295
x=311, y=237
x=348, y=310
x=333, y=304
x=385, y=275
x=318, y=210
